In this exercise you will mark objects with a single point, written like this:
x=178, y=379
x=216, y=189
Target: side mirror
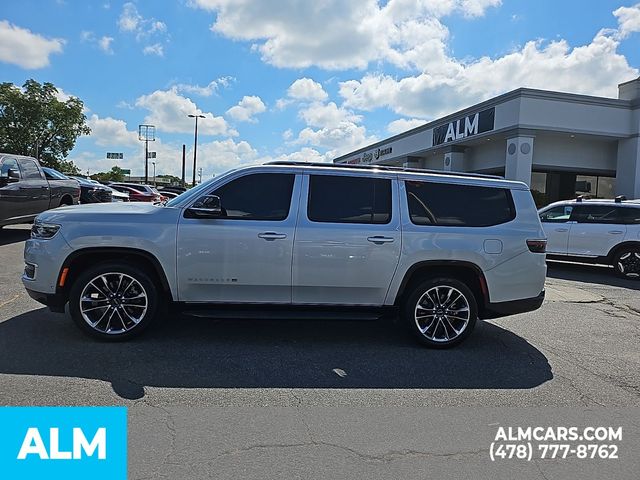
x=207, y=206
x=12, y=176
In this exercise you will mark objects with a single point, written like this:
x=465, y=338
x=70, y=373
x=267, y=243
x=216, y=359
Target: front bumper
x=513, y=307
x=55, y=302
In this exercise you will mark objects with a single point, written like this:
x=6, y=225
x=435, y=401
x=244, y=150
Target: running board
x=273, y=312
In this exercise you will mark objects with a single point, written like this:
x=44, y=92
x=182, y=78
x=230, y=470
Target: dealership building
x=560, y=144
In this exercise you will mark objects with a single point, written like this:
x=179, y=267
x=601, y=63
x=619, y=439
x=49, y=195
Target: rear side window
x=596, y=214
x=260, y=196
x=630, y=215
x=342, y=199
x=458, y=205
x=30, y=170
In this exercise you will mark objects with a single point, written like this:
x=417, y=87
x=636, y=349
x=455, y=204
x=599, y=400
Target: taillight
x=537, y=246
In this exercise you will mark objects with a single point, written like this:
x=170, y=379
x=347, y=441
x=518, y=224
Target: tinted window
x=340, y=199
x=559, y=214
x=458, y=205
x=9, y=164
x=262, y=196
x=630, y=215
x=30, y=170
x=596, y=214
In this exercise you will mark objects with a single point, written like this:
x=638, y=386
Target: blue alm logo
x=63, y=442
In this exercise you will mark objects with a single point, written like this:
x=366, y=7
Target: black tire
x=626, y=262
x=436, y=325
x=124, y=326
x=66, y=201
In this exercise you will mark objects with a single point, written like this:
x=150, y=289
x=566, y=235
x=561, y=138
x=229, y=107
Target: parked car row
x=27, y=189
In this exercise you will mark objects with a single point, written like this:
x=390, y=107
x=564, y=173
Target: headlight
x=44, y=230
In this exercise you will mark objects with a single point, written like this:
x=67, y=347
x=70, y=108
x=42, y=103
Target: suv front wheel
x=113, y=301
x=441, y=312
x=627, y=262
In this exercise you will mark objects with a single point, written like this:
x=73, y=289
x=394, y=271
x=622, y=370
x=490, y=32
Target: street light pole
x=195, y=146
x=154, y=173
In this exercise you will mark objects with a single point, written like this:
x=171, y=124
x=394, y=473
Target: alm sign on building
x=470, y=125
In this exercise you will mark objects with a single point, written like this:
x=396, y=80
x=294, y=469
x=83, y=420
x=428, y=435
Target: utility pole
x=195, y=145
x=146, y=134
x=184, y=156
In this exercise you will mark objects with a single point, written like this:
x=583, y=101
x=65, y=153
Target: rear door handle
x=378, y=239
x=616, y=232
x=562, y=229
x=272, y=236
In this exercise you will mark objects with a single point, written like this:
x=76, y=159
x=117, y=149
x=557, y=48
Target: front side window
x=596, y=214
x=260, y=196
x=458, y=205
x=9, y=164
x=560, y=214
x=343, y=199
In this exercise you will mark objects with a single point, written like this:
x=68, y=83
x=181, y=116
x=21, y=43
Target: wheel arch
x=82, y=258
x=66, y=199
x=613, y=252
x=467, y=272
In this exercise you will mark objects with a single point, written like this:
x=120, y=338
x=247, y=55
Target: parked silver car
x=302, y=240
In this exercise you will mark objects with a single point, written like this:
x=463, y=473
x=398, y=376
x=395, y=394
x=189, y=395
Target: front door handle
x=378, y=239
x=562, y=230
x=616, y=232
x=272, y=236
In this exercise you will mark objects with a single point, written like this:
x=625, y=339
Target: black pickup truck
x=25, y=191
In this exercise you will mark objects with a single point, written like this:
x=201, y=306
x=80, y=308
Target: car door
x=348, y=239
x=245, y=255
x=34, y=187
x=597, y=229
x=556, y=223
x=12, y=197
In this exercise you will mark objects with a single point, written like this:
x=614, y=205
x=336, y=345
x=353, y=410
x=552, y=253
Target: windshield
x=52, y=174
x=196, y=191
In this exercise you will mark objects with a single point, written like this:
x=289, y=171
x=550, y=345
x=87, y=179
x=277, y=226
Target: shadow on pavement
x=202, y=353
x=10, y=235
x=598, y=274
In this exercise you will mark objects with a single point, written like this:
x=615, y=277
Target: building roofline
x=513, y=94
x=629, y=81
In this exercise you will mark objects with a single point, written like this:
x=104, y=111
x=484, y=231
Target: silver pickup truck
x=25, y=191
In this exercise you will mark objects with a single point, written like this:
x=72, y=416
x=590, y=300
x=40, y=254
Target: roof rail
x=620, y=199
x=580, y=198
x=387, y=168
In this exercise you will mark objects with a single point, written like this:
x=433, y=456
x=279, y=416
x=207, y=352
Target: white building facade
x=560, y=144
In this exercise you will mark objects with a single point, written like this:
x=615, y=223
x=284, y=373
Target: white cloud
x=403, y=124
x=131, y=21
x=305, y=154
x=335, y=34
x=168, y=111
x=28, y=50
x=246, y=109
x=327, y=115
x=207, y=90
x=155, y=49
x=307, y=89
x=110, y=132
x=105, y=45
x=287, y=134
x=628, y=20
x=593, y=69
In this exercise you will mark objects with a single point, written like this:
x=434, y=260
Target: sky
x=297, y=79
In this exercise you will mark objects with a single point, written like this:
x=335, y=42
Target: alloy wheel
x=628, y=263
x=113, y=303
x=442, y=313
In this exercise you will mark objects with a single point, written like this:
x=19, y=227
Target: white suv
x=595, y=231
x=298, y=240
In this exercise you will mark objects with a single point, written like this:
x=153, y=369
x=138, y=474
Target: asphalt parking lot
x=207, y=398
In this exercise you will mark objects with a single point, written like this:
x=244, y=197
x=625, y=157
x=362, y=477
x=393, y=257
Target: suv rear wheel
x=113, y=301
x=441, y=312
x=626, y=262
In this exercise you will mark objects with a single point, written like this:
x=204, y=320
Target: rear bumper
x=513, y=307
x=55, y=302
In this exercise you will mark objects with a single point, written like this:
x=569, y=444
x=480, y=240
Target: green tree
x=33, y=121
x=114, y=175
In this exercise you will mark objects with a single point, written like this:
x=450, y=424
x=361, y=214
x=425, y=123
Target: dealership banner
x=63, y=442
